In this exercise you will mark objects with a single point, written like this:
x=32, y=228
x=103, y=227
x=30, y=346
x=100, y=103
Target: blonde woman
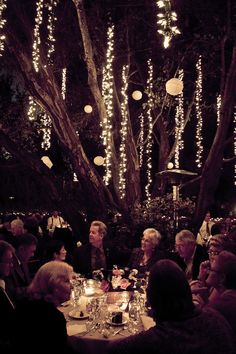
x=39, y=326
x=144, y=257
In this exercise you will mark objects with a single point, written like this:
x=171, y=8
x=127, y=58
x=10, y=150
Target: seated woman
x=55, y=251
x=39, y=326
x=143, y=258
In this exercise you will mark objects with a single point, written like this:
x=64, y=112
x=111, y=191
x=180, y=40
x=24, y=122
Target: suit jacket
x=6, y=315
x=39, y=327
x=82, y=260
x=18, y=280
x=136, y=257
x=200, y=255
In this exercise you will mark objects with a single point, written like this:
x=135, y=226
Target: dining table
x=90, y=330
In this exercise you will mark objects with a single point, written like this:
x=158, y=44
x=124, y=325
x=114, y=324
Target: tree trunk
x=212, y=168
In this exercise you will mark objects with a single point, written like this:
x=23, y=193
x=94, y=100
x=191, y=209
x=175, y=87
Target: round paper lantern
x=137, y=95
x=46, y=160
x=98, y=160
x=170, y=165
x=174, y=86
x=88, y=108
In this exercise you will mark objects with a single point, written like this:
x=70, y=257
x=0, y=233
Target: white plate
x=77, y=315
x=117, y=324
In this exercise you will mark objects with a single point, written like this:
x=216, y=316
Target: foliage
x=162, y=213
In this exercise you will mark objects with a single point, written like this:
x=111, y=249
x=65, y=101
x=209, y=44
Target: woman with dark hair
x=179, y=328
x=55, y=251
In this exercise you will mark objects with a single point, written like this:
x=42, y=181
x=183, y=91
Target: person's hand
x=204, y=270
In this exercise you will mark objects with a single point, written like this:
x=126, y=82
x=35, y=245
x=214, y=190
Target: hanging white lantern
x=98, y=160
x=174, y=86
x=170, y=165
x=88, y=108
x=137, y=95
x=46, y=160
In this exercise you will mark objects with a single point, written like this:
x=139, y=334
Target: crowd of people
x=191, y=290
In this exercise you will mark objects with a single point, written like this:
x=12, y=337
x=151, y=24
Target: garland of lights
x=218, y=106
x=3, y=6
x=123, y=133
x=235, y=144
x=179, y=124
x=166, y=20
x=141, y=119
x=32, y=109
x=150, y=127
x=46, y=122
x=37, y=41
x=199, y=113
x=63, y=83
x=51, y=26
x=107, y=93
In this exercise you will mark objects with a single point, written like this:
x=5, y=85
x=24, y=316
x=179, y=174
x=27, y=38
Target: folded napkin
x=73, y=329
x=147, y=322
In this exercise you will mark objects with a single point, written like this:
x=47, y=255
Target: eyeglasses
x=7, y=262
x=213, y=253
x=215, y=271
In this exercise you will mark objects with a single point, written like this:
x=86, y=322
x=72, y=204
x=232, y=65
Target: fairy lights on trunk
x=3, y=6
x=150, y=127
x=107, y=93
x=179, y=124
x=63, y=83
x=123, y=133
x=199, y=113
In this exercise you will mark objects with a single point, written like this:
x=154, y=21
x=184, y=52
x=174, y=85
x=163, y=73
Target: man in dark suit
x=191, y=254
x=19, y=279
x=95, y=254
x=6, y=304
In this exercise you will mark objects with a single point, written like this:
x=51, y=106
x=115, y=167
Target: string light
x=32, y=109
x=46, y=129
x=235, y=144
x=107, y=92
x=199, y=113
x=37, y=41
x=51, y=26
x=63, y=83
x=218, y=106
x=149, y=134
x=141, y=145
x=75, y=178
x=166, y=22
x=3, y=6
x=179, y=124
x=123, y=133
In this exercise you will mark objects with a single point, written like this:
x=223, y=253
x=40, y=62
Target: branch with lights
x=166, y=22
x=3, y=6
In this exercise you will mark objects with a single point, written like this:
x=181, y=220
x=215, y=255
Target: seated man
x=93, y=255
x=191, y=254
x=19, y=278
x=180, y=328
x=6, y=304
